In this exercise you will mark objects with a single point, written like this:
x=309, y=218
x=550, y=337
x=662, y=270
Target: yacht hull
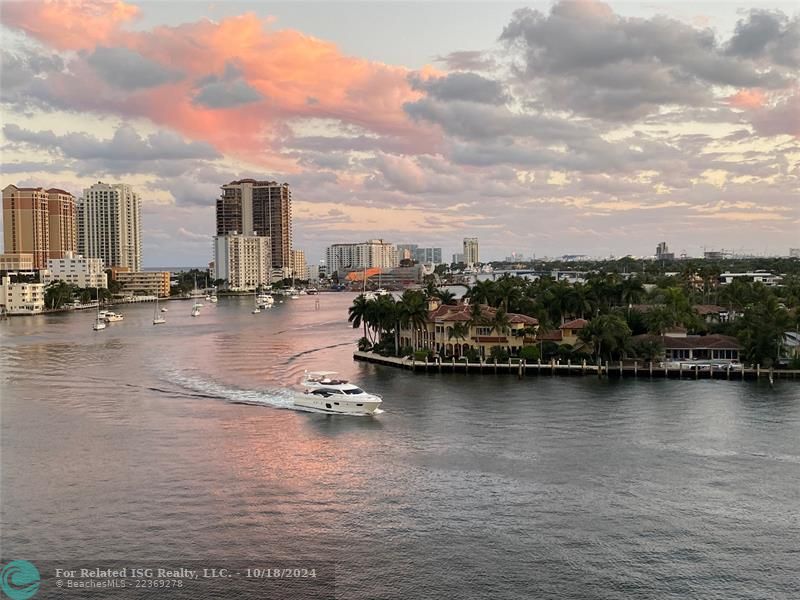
x=340, y=406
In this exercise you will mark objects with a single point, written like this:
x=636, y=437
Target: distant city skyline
x=545, y=128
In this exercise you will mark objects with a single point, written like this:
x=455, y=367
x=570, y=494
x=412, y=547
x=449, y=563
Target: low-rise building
x=76, y=270
x=147, y=283
x=16, y=262
x=20, y=297
x=764, y=277
x=678, y=346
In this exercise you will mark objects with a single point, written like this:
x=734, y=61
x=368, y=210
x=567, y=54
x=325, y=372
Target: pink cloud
x=748, y=99
x=288, y=75
x=68, y=24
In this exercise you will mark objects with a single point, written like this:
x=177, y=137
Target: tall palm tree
x=483, y=292
x=557, y=299
x=357, y=313
x=446, y=296
x=762, y=331
x=459, y=331
x=631, y=291
x=608, y=334
x=412, y=311
x=579, y=301
x=659, y=319
x=501, y=323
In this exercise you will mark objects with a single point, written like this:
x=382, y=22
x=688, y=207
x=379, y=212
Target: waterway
x=180, y=441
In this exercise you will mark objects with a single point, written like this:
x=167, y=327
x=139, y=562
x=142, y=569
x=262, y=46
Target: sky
x=544, y=128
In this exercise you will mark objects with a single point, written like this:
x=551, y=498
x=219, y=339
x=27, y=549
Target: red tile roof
x=463, y=312
x=709, y=309
x=550, y=336
x=575, y=324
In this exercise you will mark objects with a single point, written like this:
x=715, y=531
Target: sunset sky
x=575, y=127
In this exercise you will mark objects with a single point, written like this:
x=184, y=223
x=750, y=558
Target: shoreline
x=617, y=370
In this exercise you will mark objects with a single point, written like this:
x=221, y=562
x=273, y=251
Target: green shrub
x=529, y=353
x=472, y=355
x=364, y=345
x=498, y=354
x=420, y=355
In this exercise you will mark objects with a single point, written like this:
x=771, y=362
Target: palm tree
x=579, y=300
x=631, y=291
x=459, y=331
x=357, y=313
x=659, y=319
x=501, y=323
x=762, y=331
x=412, y=311
x=608, y=334
x=431, y=290
x=507, y=291
x=446, y=296
x=557, y=299
x=483, y=292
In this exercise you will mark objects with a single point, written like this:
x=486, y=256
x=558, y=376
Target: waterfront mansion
x=455, y=329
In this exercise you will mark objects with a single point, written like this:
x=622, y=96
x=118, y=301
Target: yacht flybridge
x=324, y=392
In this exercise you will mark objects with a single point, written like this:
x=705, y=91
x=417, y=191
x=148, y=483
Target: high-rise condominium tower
x=38, y=222
x=262, y=208
x=471, y=251
x=110, y=225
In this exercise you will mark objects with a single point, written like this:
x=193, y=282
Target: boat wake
x=276, y=398
x=197, y=387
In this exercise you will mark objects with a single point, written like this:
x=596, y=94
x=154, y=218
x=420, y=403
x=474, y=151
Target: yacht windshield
x=354, y=391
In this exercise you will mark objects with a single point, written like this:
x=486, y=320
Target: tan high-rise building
x=471, y=256
x=63, y=223
x=38, y=222
x=299, y=265
x=262, y=208
x=110, y=225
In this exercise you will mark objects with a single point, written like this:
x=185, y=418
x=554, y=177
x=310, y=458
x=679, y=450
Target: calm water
x=151, y=443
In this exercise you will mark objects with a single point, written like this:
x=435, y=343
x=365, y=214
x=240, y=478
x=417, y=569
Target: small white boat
x=325, y=393
x=265, y=301
x=164, y=310
x=157, y=318
x=112, y=317
x=213, y=299
x=196, y=309
x=100, y=316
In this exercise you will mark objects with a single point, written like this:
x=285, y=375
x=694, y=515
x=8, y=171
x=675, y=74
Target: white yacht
x=265, y=300
x=112, y=317
x=323, y=392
